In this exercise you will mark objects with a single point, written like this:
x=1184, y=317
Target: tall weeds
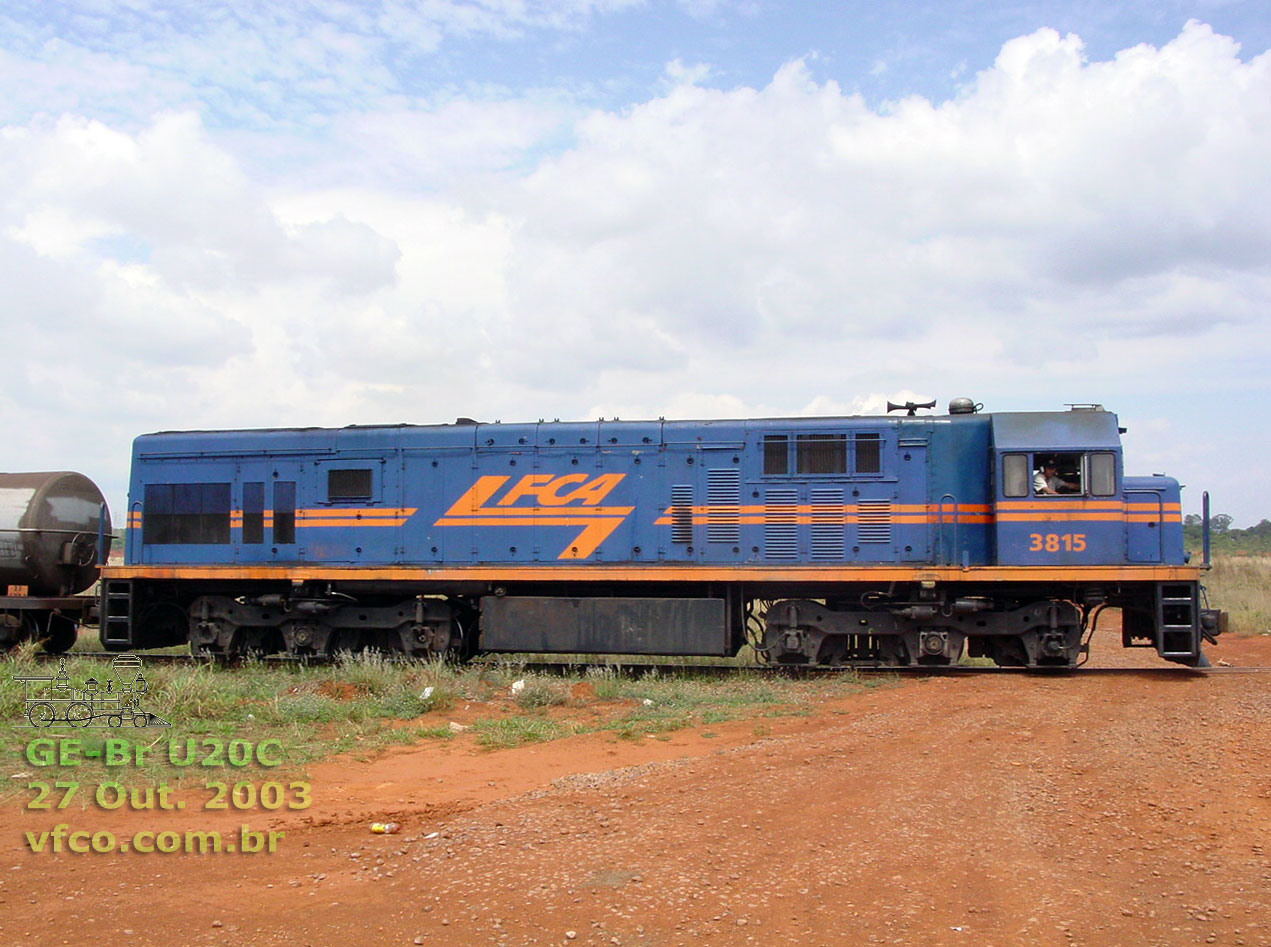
x=1241, y=585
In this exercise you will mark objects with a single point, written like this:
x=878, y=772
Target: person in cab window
x=1047, y=482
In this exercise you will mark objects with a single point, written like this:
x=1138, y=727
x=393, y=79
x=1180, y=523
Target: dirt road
x=1125, y=807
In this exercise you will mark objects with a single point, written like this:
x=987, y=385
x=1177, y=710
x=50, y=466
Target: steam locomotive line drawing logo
x=55, y=702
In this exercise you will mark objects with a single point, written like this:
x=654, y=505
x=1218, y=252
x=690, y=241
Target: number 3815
x=1054, y=542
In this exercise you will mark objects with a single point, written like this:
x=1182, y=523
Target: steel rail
x=637, y=668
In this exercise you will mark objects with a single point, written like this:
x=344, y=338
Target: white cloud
x=1063, y=230
x=252, y=65
x=1028, y=213
x=456, y=143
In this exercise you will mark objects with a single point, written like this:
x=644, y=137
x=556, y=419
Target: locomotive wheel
x=141, y=720
x=78, y=715
x=41, y=715
x=114, y=720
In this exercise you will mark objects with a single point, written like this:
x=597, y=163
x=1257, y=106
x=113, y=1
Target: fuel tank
x=49, y=524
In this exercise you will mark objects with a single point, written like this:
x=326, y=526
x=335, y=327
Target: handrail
x=129, y=539
x=101, y=536
x=953, y=549
x=1204, y=530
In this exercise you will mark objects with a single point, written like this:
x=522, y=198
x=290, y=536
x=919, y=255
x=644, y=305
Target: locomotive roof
x=1055, y=429
x=464, y=425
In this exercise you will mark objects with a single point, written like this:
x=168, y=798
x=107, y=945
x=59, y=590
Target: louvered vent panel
x=682, y=513
x=723, y=496
x=781, y=524
x=827, y=523
x=873, y=518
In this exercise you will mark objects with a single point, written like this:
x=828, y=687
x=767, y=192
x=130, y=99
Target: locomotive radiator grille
x=873, y=521
x=723, y=495
x=827, y=523
x=682, y=513
x=781, y=530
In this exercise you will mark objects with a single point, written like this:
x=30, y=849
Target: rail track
x=638, y=668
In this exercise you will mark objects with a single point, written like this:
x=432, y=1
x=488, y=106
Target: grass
x=1241, y=585
x=660, y=703
x=363, y=704
x=537, y=692
x=502, y=734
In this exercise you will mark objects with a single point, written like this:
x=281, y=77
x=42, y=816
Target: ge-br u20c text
x=118, y=751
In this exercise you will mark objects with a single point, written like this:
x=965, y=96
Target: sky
x=376, y=211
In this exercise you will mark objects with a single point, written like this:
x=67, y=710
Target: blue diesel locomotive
x=890, y=540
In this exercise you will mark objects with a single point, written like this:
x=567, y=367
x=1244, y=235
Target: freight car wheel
x=41, y=715
x=78, y=715
x=33, y=625
x=10, y=631
x=61, y=635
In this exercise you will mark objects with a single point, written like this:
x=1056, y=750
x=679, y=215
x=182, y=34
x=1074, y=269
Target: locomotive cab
x=1058, y=495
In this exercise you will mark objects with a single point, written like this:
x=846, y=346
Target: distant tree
x=1228, y=540
x=1191, y=519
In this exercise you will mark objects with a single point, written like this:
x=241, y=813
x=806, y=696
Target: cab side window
x=1103, y=474
x=1075, y=473
x=1015, y=475
x=1057, y=475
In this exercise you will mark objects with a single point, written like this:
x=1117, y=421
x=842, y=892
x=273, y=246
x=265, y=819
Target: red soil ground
x=1130, y=807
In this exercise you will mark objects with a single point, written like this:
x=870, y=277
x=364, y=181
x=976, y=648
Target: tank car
x=54, y=531
x=887, y=540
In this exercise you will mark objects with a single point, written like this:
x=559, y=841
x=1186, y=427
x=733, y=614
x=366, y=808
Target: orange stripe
x=831, y=519
x=1059, y=516
x=1061, y=504
x=347, y=513
x=544, y=521
x=752, y=515
x=688, y=572
x=332, y=524
x=759, y=509
x=1088, y=517
x=339, y=513
x=520, y=512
